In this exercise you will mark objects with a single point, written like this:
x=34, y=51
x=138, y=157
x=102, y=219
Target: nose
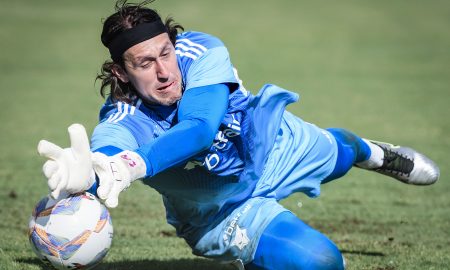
x=162, y=71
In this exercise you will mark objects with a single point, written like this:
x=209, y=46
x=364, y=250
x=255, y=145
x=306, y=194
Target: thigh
x=288, y=243
x=236, y=236
x=303, y=155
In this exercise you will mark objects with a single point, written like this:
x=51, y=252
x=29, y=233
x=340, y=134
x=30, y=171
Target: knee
x=326, y=258
x=345, y=159
x=342, y=135
x=320, y=253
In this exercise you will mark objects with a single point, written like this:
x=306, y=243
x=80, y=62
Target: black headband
x=133, y=36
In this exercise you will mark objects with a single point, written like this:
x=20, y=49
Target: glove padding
x=69, y=169
x=116, y=173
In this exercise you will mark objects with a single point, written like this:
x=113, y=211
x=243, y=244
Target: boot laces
x=396, y=163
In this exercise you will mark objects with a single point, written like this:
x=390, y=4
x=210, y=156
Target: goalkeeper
x=178, y=117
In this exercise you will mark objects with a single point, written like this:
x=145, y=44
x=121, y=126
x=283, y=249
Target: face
x=151, y=66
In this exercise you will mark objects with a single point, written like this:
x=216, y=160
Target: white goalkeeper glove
x=70, y=169
x=116, y=173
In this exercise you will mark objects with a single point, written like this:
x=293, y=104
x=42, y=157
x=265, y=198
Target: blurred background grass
x=379, y=68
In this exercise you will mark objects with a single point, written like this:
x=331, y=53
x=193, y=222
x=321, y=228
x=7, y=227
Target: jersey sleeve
x=204, y=60
x=122, y=126
x=214, y=67
x=111, y=134
x=200, y=113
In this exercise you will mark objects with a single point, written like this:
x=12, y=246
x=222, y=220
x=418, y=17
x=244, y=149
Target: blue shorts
x=302, y=157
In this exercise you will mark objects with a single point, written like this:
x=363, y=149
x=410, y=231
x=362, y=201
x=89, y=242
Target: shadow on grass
x=363, y=253
x=180, y=264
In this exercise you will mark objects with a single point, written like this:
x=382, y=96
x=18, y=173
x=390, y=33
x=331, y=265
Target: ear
x=120, y=73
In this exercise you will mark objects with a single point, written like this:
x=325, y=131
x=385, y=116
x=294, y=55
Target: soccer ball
x=71, y=233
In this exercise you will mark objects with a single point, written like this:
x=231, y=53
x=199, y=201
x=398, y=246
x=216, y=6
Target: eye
x=146, y=64
x=165, y=53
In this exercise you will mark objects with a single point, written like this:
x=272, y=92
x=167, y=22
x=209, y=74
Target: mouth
x=166, y=86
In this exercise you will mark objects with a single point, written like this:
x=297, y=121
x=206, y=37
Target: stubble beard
x=166, y=100
x=170, y=100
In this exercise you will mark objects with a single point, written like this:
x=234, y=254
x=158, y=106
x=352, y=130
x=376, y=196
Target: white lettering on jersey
x=234, y=128
x=211, y=161
x=221, y=140
x=241, y=239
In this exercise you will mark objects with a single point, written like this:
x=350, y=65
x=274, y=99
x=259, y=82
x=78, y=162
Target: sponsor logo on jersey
x=221, y=142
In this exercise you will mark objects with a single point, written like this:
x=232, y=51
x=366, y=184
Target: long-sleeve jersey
x=209, y=185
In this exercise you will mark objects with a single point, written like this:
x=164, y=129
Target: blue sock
x=351, y=149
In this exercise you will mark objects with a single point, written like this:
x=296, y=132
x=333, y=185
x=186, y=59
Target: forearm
x=200, y=113
x=183, y=141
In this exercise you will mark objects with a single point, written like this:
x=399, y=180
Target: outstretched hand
x=68, y=169
x=116, y=173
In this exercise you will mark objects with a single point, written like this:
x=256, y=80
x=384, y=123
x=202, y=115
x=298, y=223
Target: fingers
x=49, y=150
x=50, y=167
x=101, y=169
x=110, y=185
x=112, y=202
x=109, y=192
x=104, y=189
x=54, y=180
x=79, y=144
x=66, y=166
x=55, y=194
x=59, y=187
x=79, y=141
x=113, y=197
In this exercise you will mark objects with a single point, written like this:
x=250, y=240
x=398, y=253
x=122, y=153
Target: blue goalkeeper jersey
x=209, y=186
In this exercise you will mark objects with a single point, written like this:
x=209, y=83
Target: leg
x=351, y=149
x=288, y=243
x=401, y=163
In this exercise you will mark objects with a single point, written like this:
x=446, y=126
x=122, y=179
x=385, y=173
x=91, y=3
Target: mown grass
x=379, y=68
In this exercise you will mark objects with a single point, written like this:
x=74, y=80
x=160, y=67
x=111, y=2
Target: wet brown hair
x=127, y=16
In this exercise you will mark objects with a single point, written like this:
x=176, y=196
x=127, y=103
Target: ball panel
x=68, y=206
x=48, y=255
x=95, y=248
x=57, y=241
x=104, y=218
x=40, y=240
x=41, y=205
x=74, y=232
x=71, y=247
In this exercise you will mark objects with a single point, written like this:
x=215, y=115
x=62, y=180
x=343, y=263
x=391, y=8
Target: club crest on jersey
x=236, y=234
x=240, y=238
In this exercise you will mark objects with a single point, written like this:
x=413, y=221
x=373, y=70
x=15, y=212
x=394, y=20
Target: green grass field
x=379, y=68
